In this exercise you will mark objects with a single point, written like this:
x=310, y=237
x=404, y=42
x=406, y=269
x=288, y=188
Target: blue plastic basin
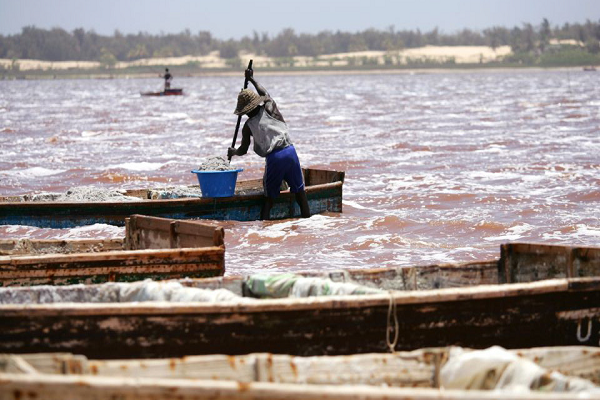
x=217, y=183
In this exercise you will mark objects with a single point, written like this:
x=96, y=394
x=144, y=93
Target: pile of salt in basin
x=216, y=164
x=174, y=192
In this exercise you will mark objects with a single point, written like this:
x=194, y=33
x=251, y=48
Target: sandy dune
x=460, y=55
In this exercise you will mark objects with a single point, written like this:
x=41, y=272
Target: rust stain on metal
x=243, y=386
x=172, y=363
x=94, y=369
x=270, y=366
x=231, y=360
x=17, y=394
x=294, y=369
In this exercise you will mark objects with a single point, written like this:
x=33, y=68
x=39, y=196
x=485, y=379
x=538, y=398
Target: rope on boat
x=588, y=334
x=392, y=310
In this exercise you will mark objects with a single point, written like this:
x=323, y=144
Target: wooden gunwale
x=547, y=312
x=299, y=304
x=244, y=207
x=153, y=247
x=15, y=261
x=119, y=263
x=195, y=200
x=72, y=387
x=478, y=273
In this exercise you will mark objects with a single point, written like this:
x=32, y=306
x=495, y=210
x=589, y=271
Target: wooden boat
x=323, y=189
x=271, y=376
x=167, y=92
x=76, y=388
x=551, y=312
x=155, y=248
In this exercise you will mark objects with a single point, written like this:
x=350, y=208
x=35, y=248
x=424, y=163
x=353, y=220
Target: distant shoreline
x=428, y=59
x=180, y=74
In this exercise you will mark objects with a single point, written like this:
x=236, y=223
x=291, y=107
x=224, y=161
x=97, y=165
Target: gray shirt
x=269, y=133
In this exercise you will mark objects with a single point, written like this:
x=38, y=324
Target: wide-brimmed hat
x=247, y=101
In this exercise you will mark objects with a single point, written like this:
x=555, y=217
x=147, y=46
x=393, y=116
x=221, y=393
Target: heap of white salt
x=215, y=164
x=83, y=194
x=90, y=193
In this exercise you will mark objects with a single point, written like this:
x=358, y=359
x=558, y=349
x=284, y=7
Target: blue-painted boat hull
x=322, y=197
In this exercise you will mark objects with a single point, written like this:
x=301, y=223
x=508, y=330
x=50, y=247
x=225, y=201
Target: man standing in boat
x=168, y=77
x=271, y=141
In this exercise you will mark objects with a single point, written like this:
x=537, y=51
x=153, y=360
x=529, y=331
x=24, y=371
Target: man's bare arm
x=243, y=149
x=270, y=105
x=259, y=88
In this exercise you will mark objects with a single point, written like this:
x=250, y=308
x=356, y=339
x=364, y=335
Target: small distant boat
x=589, y=69
x=168, y=92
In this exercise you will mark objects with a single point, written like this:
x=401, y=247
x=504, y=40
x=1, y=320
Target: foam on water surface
x=33, y=172
x=139, y=166
x=439, y=167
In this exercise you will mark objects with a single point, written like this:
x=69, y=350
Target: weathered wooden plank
x=585, y=261
x=123, y=266
x=196, y=234
x=16, y=365
x=151, y=232
x=50, y=363
x=418, y=368
x=513, y=316
x=402, y=369
x=52, y=387
x=424, y=277
x=154, y=251
x=141, y=193
x=151, y=223
x=125, y=257
x=526, y=262
x=154, y=232
x=130, y=242
x=29, y=246
x=579, y=361
x=529, y=262
x=555, y=286
x=319, y=176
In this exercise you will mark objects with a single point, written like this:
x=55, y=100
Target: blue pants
x=283, y=165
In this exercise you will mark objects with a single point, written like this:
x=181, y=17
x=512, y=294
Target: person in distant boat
x=168, y=78
x=271, y=141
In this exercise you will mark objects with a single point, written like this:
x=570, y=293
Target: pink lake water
x=439, y=167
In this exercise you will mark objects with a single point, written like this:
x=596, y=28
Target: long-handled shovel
x=239, y=120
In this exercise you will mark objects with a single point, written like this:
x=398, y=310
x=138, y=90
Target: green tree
x=107, y=59
x=593, y=45
x=229, y=49
x=545, y=33
x=140, y=51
